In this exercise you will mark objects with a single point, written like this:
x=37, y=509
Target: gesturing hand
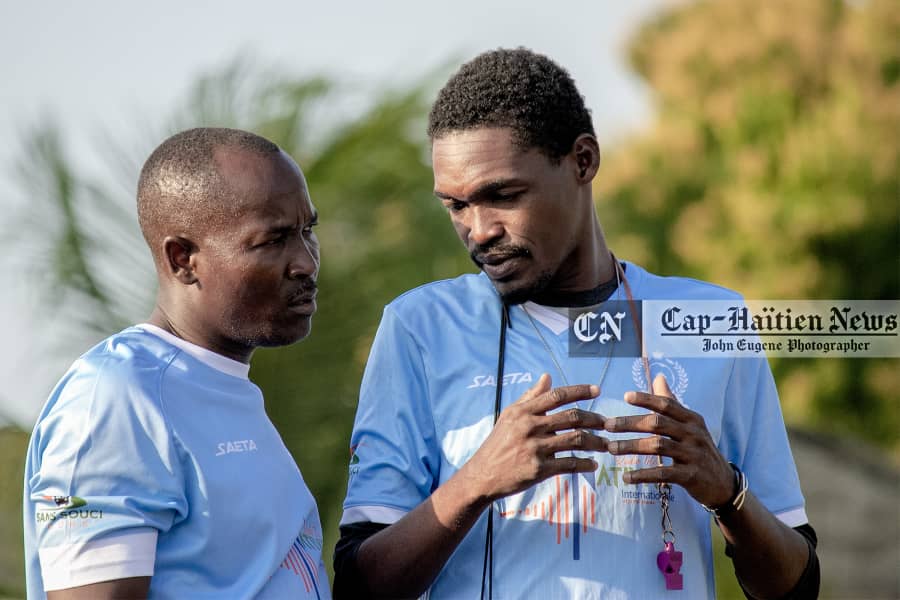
x=521, y=449
x=680, y=434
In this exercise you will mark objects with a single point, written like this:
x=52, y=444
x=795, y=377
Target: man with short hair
x=153, y=469
x=471, y=477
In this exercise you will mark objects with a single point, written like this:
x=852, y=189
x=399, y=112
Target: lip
x=304, y=304
x=305, y=307
x=502, y=268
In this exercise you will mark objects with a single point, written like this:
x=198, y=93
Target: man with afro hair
x=472, y=476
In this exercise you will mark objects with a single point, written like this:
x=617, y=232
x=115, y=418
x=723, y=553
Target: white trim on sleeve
x=372, y=514
x=794, y=517
x=117, y=556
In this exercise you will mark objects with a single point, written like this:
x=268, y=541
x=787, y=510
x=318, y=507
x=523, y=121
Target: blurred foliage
x=12, y=469
x=774, y=169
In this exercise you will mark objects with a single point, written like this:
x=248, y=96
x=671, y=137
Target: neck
x=588, y=266
x=193, y=331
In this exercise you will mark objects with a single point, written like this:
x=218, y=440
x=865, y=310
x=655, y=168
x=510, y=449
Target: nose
x=305, y=257
x=484, y=226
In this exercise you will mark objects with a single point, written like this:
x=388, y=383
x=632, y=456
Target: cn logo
x=608, y=327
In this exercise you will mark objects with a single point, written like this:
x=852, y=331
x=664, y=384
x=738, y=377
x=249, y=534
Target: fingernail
x=630, y=396
x=595, y=390
x=613, y=446
x=626, y=477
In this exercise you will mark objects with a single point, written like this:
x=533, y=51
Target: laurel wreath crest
x=679, y=387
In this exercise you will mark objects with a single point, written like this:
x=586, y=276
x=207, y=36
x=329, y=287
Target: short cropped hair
x=180, y=183
x=516, y=89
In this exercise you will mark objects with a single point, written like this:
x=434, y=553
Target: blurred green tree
x=774, y=169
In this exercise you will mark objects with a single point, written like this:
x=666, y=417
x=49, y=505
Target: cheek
x=314, y=248
x=461, y=230
x=253, y=290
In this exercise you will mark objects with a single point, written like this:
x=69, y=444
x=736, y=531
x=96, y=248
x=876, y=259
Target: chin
x=285, y=336
x=519, y=292
x=513, y=295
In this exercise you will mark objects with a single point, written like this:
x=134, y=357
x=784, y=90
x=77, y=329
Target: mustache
x=307, y=291
x=496, y=252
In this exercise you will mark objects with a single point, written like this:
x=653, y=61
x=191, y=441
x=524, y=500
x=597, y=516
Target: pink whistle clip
x=669, y=562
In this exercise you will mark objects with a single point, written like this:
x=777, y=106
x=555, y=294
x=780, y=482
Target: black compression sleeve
x=807, y=587
x=348, y=581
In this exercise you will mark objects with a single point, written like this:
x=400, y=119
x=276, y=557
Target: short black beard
x=528, y=292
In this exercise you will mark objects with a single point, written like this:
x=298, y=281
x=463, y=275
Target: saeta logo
x=480, y=381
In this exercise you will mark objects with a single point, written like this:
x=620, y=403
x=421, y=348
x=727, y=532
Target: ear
x=586, y=152
x=179, y=256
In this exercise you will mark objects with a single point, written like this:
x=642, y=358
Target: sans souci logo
x=66, y=507
x=354, y=458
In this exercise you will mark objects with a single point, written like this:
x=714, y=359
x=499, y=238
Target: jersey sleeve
x=395, y=459
x=755, y=439
x=104, y=478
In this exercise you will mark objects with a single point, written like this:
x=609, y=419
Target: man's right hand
x=521, y=450
x=402, y=560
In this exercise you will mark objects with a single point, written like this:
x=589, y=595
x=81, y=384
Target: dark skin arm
x=130, y=588
x=402, y=560
x=769, y=556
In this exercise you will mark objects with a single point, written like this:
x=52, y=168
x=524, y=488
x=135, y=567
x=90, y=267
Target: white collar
x=218, y=362
x=547, y=317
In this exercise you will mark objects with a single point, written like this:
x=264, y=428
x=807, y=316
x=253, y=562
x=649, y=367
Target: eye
x=454, y=206
x=508, y=197
x=309, y=228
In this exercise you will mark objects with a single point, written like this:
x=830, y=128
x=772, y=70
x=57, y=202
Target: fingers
x=651, y=475
x=653, y=423
x=568, y=464
x=540, y=387
x=561, y=396
x=652, y=446
x=661, y=386
x=665, y=404
x=573, y=418
x=579, y=439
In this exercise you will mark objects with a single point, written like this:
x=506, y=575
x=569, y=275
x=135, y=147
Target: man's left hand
x=680, y=434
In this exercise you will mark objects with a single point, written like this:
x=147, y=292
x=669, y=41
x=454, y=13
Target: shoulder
x=465, y=296
x=116, y=381
x=129, y=360
x=464, y=289
x=658, y=287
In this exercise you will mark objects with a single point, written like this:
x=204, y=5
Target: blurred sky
x=105, y=65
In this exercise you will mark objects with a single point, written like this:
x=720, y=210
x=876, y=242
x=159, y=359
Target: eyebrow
x=287, y=228
x=490, y=188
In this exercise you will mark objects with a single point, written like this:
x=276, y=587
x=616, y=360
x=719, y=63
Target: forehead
x=465, y=160
x=262, y=184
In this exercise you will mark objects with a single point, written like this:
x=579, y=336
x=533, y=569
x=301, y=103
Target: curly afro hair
x=516, y=89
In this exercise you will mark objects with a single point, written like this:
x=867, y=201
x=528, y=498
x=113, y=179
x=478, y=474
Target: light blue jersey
x=426, y=405
x=155, y=457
